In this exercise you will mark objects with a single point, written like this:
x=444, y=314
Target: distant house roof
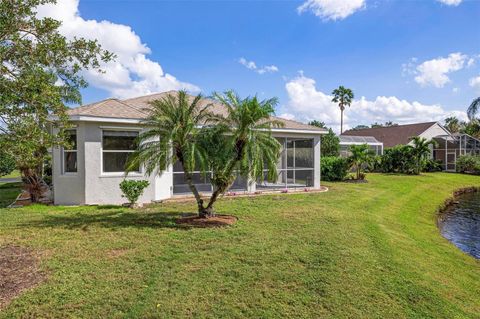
x=344, y=139
x=137, y=109
x=393, y=135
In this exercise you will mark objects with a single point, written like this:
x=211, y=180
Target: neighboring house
x=347, y=141
x=449, y=146
x=104, y=135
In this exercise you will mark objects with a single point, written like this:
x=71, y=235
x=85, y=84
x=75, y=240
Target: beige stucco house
x=103, y=137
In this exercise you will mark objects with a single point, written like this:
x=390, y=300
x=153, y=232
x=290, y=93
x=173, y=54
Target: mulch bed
x=216, y=221
x=19, y=271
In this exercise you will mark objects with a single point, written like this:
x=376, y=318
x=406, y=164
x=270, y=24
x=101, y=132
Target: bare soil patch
x=19, y=271
x=215, y=221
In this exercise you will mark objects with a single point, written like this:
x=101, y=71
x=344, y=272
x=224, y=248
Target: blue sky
x=406, y=61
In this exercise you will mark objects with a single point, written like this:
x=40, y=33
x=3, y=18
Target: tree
x=360, y=127
x=472, y=128
x=40, y=72
x=7, y=163
x=453, y=124
x=317, y=124
x=473, y=109
x=172, y=134
x=343, y=97
x=360, y=156
x=386, y=124
x=420, y=149
x=241, y=144
x=330, y=145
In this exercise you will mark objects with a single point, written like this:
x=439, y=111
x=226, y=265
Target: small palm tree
x=453, y=124
x=171, y=135
x=360, y=156
x=242, y=144
x=343, y=97
x=473, y=109
x=420, y=149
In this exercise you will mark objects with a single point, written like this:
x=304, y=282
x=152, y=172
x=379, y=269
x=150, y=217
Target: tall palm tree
x=242, y=144
x=421, y=149
x=473, y=109
x=343, y=97
x=171, y=135
x=360, y=155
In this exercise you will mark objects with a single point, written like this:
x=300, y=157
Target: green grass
x=14, y=174
x=8, y=193
x=358, y=251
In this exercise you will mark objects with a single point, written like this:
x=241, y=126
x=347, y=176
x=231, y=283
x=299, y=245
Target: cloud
x=450, y=2
x=307, y=103
x=132, y=73
x=253, y=66
x=332, y=9
x=475, y=83
x=435, y=72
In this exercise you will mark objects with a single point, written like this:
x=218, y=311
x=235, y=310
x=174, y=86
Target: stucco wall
x=91, y=186
x=100, y=187
x=69, y=189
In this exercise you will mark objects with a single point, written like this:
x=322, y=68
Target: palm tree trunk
x=341, y=121
x=196, y=194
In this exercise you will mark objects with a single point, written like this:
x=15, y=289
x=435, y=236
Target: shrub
x=432, y=165
x=334, y=168
x=7, y=163
x=330, y=145
x=133, y=189
x=468, y=163
x=398, y=159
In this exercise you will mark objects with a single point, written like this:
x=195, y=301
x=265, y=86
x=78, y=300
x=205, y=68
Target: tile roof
x=137, y=108
x=392, y=135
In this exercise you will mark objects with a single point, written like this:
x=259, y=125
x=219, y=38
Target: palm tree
x=343, y=97
x=453, y=124
x=360, y=155
x=172, y=135
x=242, y=144
x=473, y=109
x=421, y=149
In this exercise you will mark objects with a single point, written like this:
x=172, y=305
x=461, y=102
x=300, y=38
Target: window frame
x=64, y=152
x=102, y=151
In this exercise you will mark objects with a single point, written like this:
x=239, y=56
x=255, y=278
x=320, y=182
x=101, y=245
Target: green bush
x=334, y=168
x=432, y=165
x=133, y=189
x=7, y=163
x=398, y=159
x=468, y=163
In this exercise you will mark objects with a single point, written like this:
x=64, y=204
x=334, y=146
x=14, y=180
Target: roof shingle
x=392, y=135
x=137, y=108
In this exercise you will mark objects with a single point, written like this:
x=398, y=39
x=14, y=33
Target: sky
x=406, y=61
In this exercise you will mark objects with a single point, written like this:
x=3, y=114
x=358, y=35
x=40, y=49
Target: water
x=461, y=224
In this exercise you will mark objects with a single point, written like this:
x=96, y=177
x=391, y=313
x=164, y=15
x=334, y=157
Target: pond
x=461, y=223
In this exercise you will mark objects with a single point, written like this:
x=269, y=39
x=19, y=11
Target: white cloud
x=475, y=82
x=332, y=9
x=435, y=72
x=260, y=70
x=307, y=103
x=132, y=73
x=450, y=2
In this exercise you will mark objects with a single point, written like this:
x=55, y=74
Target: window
x=69, y=155
x=117, y=147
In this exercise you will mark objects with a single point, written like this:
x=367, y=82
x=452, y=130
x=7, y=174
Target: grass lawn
x=358, y=251
x=14, y=174
x=8, y=193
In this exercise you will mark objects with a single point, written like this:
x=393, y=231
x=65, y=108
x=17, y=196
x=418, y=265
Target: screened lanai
x=449, y=147
x=347, y=141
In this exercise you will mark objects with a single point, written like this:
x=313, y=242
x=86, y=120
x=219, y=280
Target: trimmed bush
x=133, y=189
x=398, y=159
x=334, y=168
x=468, y=163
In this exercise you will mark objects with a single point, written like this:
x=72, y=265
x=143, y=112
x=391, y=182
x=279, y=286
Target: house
x=346, y=141
x=103, y=136
x=446, y=151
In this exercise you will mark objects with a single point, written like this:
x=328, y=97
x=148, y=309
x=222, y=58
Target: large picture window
x=69, y=154
x=117, y=147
